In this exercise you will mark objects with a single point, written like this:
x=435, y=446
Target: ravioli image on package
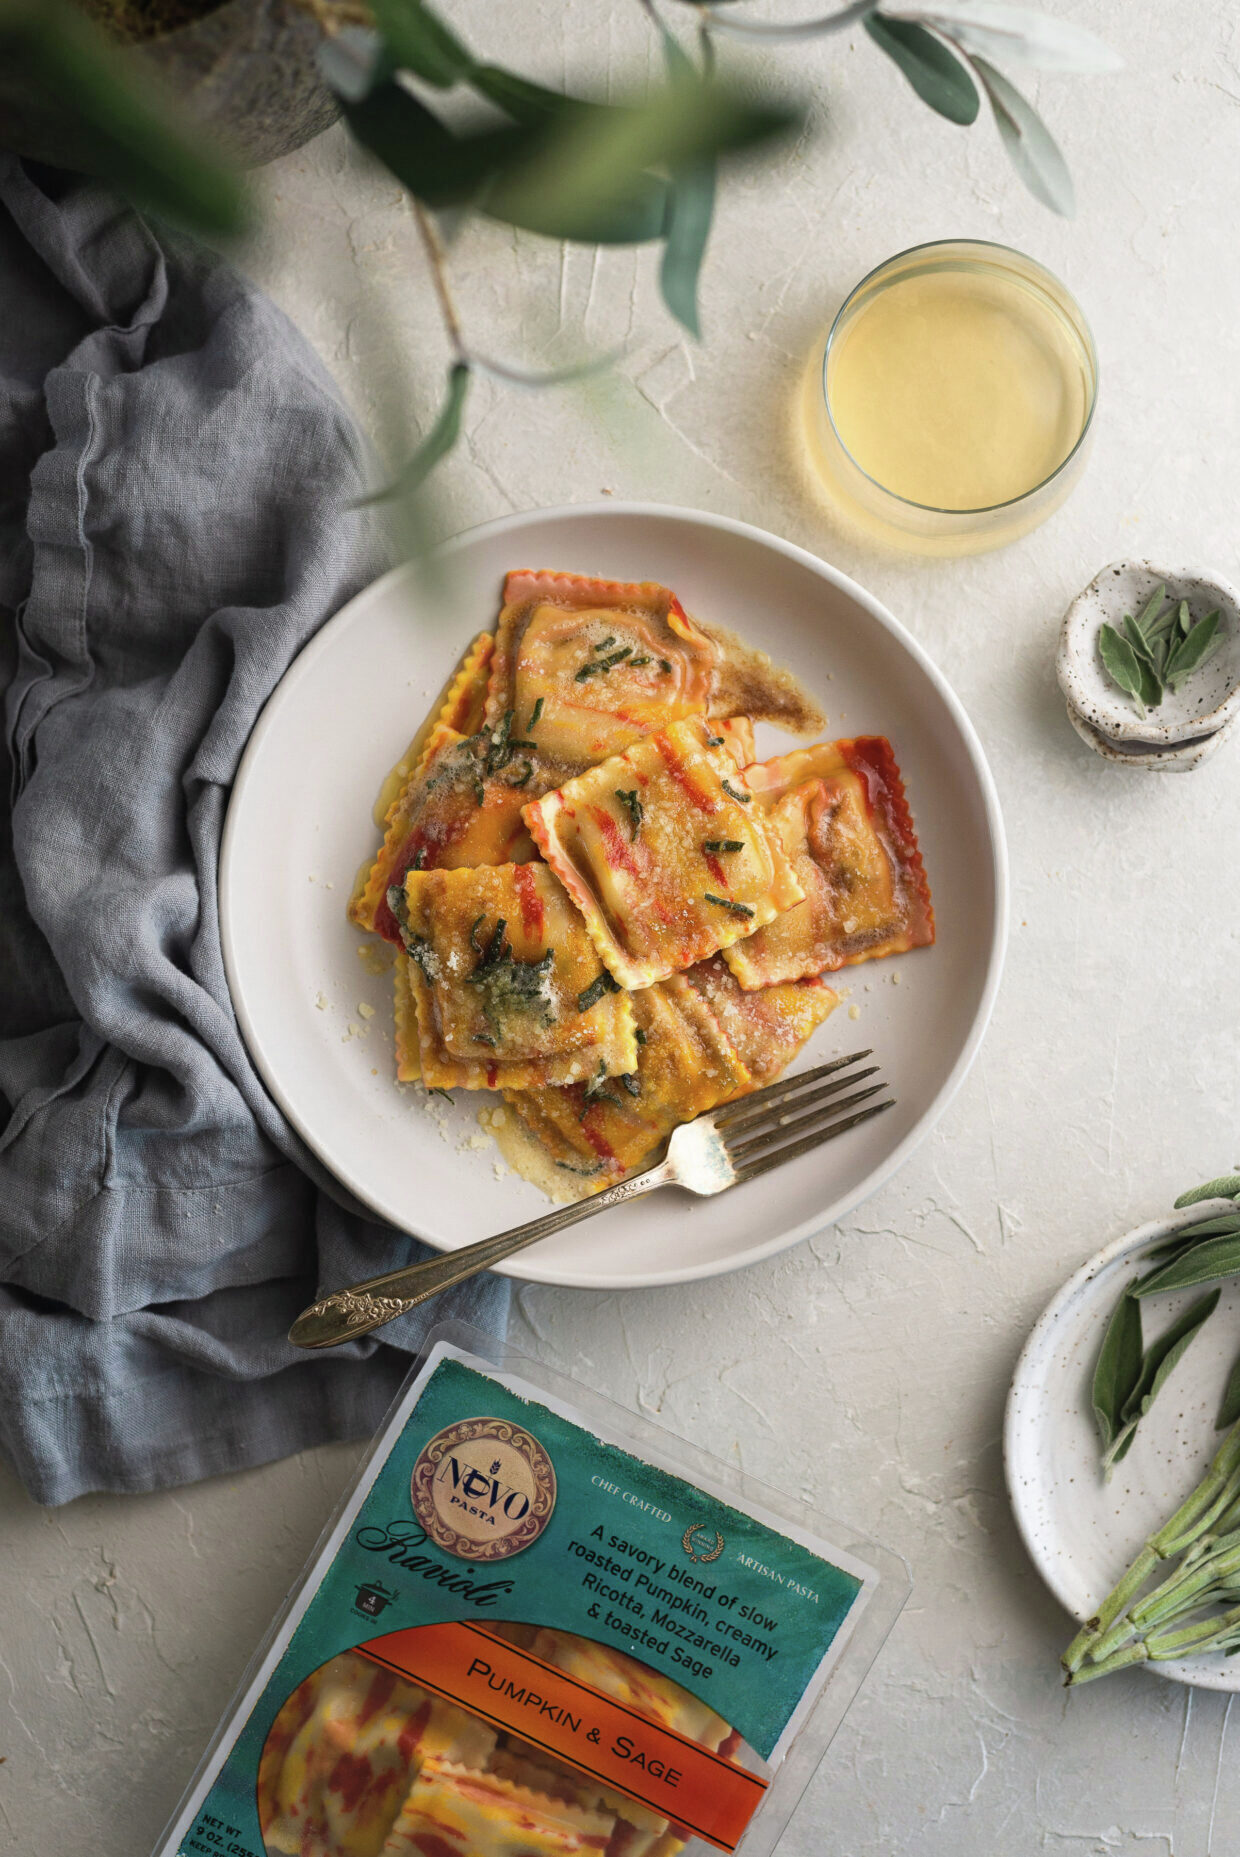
x=541, y=1626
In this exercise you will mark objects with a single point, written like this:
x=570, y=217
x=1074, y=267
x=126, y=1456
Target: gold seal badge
x=483, y=1489
x=702, y=1543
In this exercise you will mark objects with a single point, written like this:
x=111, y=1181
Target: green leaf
x=438, y=167
x=690, y=211
x=1149, y=613
x=526, y=102
x=444, y=169
x=1227, y=1186
x=1118, y=1368
x=1031, y=147
x=1226, y=1222
x=1122, y=1447
x=1229, y=1411
x=1152, y=687
x=133, y=142
x=420, y=42
x=1207, y=1262
x=934, y=72
x=1120, y=663
x=1136, y=638
x=437, y=443
x=590, y=176
x=1022, y=35
x=1200, y=644
x=1163, y=1356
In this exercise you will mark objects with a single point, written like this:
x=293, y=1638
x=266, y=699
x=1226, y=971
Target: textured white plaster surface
x=866, y=1370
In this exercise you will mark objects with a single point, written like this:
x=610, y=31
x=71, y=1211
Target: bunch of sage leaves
x=1159, y=649
x=1128, y=1374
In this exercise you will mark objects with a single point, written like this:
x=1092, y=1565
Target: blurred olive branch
x=642, y=170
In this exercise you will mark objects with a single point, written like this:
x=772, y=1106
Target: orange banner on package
x=514, y=1691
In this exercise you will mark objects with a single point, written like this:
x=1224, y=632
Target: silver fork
x=723, y=1148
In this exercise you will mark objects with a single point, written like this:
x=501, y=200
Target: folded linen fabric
x=175, y=481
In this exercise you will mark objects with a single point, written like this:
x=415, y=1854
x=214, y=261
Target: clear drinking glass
x=953, y=405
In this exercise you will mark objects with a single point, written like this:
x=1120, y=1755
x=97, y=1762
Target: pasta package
x=541, y=1626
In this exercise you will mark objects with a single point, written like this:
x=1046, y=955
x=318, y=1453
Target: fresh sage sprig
x=1128, y=1375
x=1158, y=650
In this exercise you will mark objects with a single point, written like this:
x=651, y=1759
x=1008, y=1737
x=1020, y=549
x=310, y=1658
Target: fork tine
x=754, y=1168
x=778, y=1113
x=755, y=1145
x=787, y=1086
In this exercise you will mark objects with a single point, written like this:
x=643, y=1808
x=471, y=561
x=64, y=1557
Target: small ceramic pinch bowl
x=1189, y=725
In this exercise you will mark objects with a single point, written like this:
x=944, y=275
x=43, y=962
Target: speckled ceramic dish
x=1081, y=1533
x=1188, y=725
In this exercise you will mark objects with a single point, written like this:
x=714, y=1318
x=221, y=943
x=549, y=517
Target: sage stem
x=1213, y=1498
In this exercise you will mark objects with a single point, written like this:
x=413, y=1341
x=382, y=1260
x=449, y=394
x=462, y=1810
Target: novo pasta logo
x=483, y=1489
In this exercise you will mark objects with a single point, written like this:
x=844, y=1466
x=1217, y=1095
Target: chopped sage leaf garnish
x=474, y=943
x=640, y=1036
x=615, y=657
x=480, y=793
x=590, y=1168
x=715, y=741
x=633, y=807
x=418, y=859
x=734, y=793
x=664, y=665
x=416, y=946
x=436, y=1091
x=638, y=662
x=480, y=1038
x=725, y=902
x=1158, y=650
x=497, y=747
x=419, y=949
x=591, y=995
x=594, y=1092
x=598, y=1096
x=535, y=715
x=632, y=1083
x=605, y=644
x=521, y=777
x=723, y=844
x=510, y=985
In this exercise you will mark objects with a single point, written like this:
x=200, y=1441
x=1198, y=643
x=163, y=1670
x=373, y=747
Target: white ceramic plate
x=300, y=822
x=1082, y=1533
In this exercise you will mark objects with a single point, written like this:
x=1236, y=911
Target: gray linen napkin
x=175, y=474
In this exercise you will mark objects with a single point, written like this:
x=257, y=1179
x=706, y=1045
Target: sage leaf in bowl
x=1158, y=650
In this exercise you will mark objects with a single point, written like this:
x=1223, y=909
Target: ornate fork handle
x=347, y=1313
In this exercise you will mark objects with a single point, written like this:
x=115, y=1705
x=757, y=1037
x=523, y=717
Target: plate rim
x=513, y=523
x=1020, y=1413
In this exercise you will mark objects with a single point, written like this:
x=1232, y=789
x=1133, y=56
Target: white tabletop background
x=865, y=1370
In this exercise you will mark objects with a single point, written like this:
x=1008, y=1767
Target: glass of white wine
x=955, y=400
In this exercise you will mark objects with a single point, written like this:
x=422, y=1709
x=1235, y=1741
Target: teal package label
x=728, y=1605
